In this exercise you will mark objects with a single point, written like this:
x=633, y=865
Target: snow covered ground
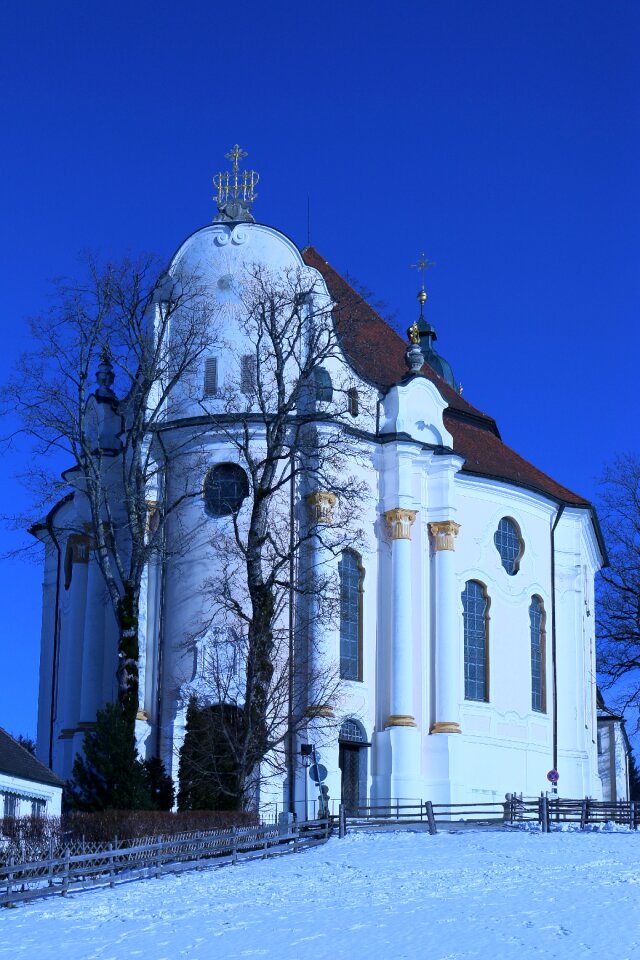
x=456, y=896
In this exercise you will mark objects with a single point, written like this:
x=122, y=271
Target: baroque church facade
x=465, y=634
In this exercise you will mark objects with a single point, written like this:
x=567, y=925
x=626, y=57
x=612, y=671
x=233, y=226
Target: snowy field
x=455, y=896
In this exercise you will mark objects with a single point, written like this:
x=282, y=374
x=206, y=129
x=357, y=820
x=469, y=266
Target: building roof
x=16, y=761
x=377, y=354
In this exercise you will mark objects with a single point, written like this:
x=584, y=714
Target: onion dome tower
x=426, y=334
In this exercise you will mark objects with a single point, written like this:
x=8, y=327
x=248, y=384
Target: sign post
x=553, y=776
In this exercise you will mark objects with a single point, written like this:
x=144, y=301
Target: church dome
x=431, y=356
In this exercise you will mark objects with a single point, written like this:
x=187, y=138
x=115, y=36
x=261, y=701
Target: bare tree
x=142, y=332
x=275, y=592
x=618, y=610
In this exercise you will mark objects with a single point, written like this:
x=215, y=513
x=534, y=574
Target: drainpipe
x=291, y=751
x=161, y=611
x=56, y=639
x=553, y=634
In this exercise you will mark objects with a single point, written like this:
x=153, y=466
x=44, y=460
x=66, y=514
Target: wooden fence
x=108, y=864
x=543, y=810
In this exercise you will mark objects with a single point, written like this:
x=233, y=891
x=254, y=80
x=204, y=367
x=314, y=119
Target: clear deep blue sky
x=501, y=137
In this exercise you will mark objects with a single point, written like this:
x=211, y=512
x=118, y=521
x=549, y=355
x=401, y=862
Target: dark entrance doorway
x=352, y=759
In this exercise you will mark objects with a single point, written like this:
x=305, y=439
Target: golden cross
x=235, y=155
x=422, y=265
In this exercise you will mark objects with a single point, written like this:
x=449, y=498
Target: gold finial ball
x=422, y=296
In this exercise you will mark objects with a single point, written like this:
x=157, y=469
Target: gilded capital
x=445, y=726
x=400, y=522
x=79, y=544
x=400, y=720
x=319, y=710
x=444, y=533
x=322, y=504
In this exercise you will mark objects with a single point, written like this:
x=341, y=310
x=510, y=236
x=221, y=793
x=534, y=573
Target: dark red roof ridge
x=376, y=353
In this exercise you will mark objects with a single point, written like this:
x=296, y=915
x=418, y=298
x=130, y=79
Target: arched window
x=475, y=606
x=351, y=588
x=352, y=398
x=225, y=487
x=538, y=679
x=322, y=385
x=509, y=544
x=351, y=731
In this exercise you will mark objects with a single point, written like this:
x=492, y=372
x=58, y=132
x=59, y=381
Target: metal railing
x=112, y=863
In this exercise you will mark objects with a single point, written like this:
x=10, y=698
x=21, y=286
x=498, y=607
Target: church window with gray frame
x=225, y=487
x=538, y=685
x=351, y=574
x=475, y=607
x=248, y=374
x=509, y=544
x=322, y=385
x=211, y=377
x=351, y=732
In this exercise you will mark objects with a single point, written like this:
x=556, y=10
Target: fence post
x=234, y=845
x=110, y=861
x=431, y=818
x=584, y=813
x=158, y=858
x=65, y=872
x=296, y=838
x=50, y=864
x=543, y=813
x=342, y=822
x=9, y=902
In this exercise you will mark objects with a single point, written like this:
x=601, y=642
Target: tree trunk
x=127, y=674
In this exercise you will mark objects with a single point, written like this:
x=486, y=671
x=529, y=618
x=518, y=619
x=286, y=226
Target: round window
x=225, y=487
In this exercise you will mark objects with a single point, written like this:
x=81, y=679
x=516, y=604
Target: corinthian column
x=444, y=533
x=400, y=522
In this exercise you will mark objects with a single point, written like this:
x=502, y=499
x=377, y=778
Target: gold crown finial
x=236, y=190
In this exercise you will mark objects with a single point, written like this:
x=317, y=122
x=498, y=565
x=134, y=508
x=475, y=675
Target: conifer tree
x=110, y=775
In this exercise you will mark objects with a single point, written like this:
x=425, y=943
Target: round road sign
x=317, y=772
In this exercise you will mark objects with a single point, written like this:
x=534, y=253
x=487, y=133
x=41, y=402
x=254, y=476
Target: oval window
x=225, y=487
x=509, y=544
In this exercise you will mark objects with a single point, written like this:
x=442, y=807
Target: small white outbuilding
x=27, y=786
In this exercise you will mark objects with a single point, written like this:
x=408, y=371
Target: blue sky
x=502, y=138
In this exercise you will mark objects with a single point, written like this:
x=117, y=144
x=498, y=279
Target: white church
x=464, y=639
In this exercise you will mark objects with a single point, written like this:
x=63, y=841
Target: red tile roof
x=376, y=353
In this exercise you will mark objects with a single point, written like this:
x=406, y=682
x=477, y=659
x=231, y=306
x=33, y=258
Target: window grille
x=536, y=620
x=10, y=804
x=352, y=396
x=225, y=487
x=323, y=385
x=211, y=377
x=475, y=605
x=351, y=577
x=351, y=732
x=509, y=545
x=248, y=374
